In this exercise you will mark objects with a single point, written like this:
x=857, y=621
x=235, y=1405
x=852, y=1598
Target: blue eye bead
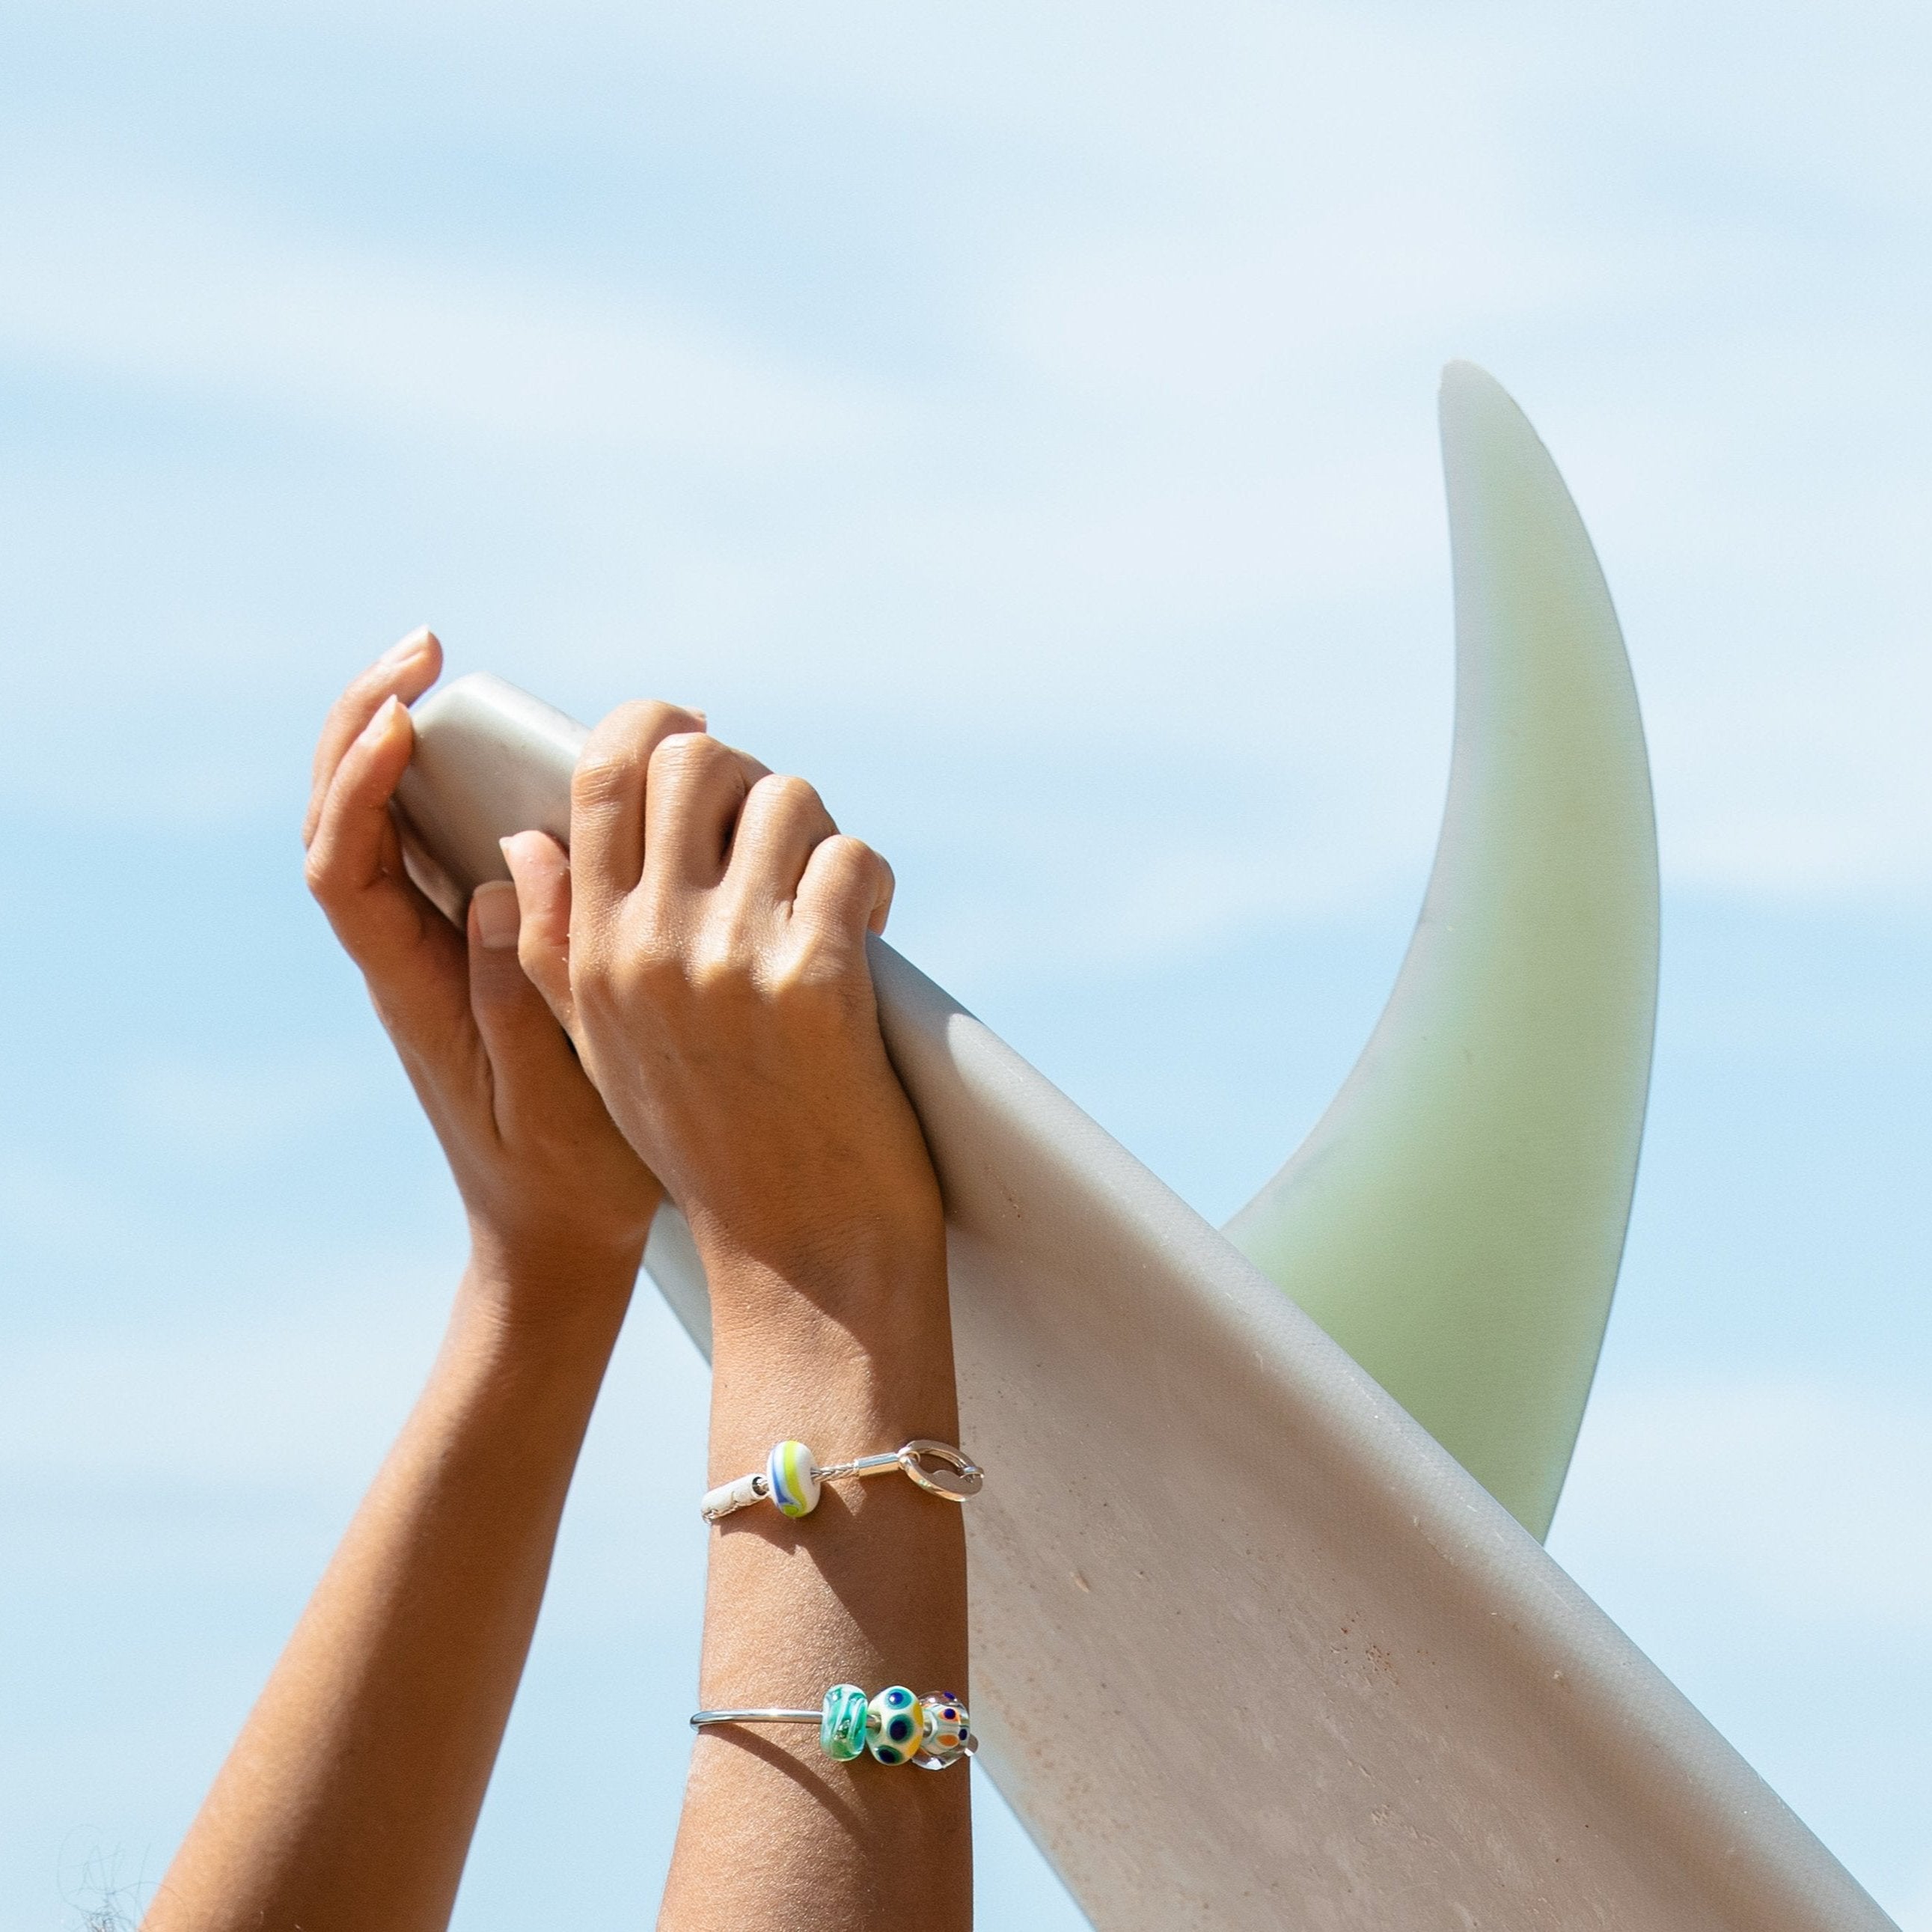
x=947, y=1724
x=793, y=1479
x=895, y=1725
x=841, y=1731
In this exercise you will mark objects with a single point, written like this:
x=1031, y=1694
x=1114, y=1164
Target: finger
x=847, y=889
x=782, y=822
x=882, y=899
x=607, y=800
x=540, y=869
x=352, y=866
x=410, y=954
x=404, y=671
x=691, y=802
x=527, y=1049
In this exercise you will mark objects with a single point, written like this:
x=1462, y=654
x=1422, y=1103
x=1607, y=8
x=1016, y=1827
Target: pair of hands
x=681, y=1003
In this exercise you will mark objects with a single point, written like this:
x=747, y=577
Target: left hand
x=705, y=942
x=555, y=1194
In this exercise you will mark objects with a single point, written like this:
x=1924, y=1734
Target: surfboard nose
x=1457, y=1218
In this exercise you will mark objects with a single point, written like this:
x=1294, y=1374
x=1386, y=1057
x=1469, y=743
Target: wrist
x=854, y=1376
x=541, y=1292
x=856, y=1269
x=518, y=1388
x=503, y=1412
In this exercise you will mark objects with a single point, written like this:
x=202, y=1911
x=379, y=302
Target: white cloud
x=1156, y=429
x=191, y=293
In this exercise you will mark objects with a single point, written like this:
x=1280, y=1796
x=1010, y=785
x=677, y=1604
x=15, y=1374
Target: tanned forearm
x=348, y=1803
x=350, y=1799
x=705, y=943
x=870, y=1589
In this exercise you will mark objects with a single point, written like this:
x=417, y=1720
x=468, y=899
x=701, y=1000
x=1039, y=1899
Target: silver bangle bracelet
x=790, y=1479
x=895, y=1727
x=698, y=1717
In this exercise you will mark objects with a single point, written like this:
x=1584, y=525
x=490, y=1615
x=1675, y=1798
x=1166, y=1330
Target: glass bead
x=895, y=1725
x=792, y=1478
x=946, y=1725
x=841, y=1731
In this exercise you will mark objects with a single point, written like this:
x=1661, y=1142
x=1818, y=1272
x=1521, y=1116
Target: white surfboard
x=1252, y=1647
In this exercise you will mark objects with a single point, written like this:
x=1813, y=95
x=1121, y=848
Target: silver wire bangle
x=897, y=1726
x=698, y=1717
x=969, y=1745
x=791, y=1477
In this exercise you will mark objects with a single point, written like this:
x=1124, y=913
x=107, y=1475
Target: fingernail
x=497, y=916
x=410, y=646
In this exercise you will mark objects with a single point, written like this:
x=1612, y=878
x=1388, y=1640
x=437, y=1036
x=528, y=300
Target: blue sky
x=1020, y=419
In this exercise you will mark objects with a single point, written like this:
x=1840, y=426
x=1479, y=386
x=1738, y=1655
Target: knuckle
x=360, y=700
x=641, y=957
x=721, y=957
x=659, y=719
x=789, y=792
x=657, y=963
x=601, y=774
x=687, y=754
x=373, y=681
x=619, y=744
x=854, y=862
x=813, y=985
x=801, y=979
x=539, y=953
x=626, y=723
x=318, y=874
x=715, y=968
x=797, y=803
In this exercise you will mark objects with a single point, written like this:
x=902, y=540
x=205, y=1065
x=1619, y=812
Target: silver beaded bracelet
x=790, y=1479
x=896, y=1727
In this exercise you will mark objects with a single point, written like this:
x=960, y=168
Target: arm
x=710, y=963
x=350, y=1799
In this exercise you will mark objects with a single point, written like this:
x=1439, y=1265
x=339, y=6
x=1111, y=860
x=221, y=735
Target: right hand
x=704, y=945
x=557, y=1198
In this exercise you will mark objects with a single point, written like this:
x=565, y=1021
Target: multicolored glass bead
x=793, y=1478
x=947, y=1726
x=896, y=1726
x=841, y=1731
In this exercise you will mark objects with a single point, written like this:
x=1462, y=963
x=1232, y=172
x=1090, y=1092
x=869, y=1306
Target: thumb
x=541, y=869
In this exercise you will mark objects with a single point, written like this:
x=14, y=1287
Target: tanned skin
x=683, y=1003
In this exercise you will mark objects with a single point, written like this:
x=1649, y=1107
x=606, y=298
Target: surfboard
x=1263, y=1632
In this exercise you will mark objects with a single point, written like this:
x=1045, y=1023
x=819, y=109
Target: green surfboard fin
x=1457, y=1218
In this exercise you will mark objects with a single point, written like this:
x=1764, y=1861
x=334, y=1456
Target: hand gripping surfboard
x=1263, y=1635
